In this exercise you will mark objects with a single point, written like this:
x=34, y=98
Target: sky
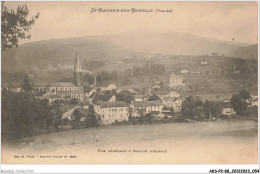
x=217, y=20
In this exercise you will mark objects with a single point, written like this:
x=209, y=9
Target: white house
x=227, y=109
x=111, y=112
x=175, y=80
x=184, y=71
x=174, y=102
x=141, y=108
x=255, y=102
x=174, y=94
x=111, y=86
x=203, y=62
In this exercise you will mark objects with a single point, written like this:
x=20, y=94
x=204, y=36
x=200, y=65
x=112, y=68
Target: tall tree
x=238, y=104
x=15, y=25
x=27, y=86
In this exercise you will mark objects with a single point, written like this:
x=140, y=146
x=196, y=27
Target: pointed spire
x=77, y=66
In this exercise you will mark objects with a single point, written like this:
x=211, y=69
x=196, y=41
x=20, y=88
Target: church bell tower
x=77, y=72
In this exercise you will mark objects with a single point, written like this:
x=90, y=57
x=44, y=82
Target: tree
x=74, y=101
x=27, y=86
x=188, y=107
x=207, y=108
x=172, y=111
x=93, y=119
x=125, y=96
x=244, y=95
x=154, y=98
x=238, y=104
x=24, y=116
x=15, y=25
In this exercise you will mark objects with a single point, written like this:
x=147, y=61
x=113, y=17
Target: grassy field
x=224, y=141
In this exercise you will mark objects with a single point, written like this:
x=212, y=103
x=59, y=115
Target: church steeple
x=77, y=72
x=77, y=66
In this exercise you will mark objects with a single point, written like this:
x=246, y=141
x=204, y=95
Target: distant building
x=204, y=62
x=111, y=87
x=89, y=91
x=66, y=90
x=184, y=71
x=15, y=89
x=175, y=102
x=138, y=97
x=175, y=80
x=111, y=112
x=174, y=94
x=104, y=98
x=226, y=109
x=255, y=102
x=141, y=108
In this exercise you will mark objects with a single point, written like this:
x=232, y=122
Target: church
x=64, y=90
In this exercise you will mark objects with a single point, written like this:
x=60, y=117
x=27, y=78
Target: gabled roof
x=132, y=91
x=102, y=98
x=88, y=89
x=146, y=103
x=83, y=111
x=113, y=104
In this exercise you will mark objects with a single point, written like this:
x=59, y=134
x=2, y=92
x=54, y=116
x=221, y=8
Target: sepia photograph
x=86, y=82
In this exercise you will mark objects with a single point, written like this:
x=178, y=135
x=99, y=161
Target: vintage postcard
x=129, y=82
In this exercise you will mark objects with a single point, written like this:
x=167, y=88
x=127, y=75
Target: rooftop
x=113, y=104
x=146, y=103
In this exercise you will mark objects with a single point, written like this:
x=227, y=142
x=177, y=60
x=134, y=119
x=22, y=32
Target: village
x=114, y=105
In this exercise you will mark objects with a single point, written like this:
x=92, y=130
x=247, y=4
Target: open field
x=220, y=142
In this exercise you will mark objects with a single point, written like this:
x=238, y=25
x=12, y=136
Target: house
x=111, y=87
x=226, y=100
x=104, y=98
x=81, y=114
x=203, y=62
x=156, y=114
x=141, y=108
x=156, y=87
x=89, y=91
x=226, y=109
x=69, y=114
x=254, y=102
x=17, y=90
x=112, y=112
x=174, y=94
x=174, y=102
x=138, y=97
x=175, y=80
x=162, y=94
x=53, y=97
x=184, y=71
x=132, y=91
x=67, y=90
